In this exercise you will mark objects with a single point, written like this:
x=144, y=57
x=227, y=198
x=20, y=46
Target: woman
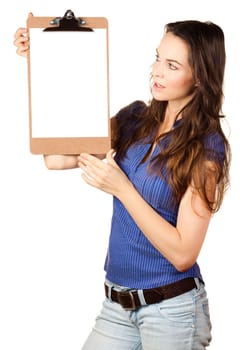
x=168, y=172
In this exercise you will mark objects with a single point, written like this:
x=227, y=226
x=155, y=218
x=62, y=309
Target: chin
x=159, y=98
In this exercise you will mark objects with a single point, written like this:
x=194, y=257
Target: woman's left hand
x=105, y=174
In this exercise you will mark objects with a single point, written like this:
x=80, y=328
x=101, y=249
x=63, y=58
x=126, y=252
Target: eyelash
x=172, y=66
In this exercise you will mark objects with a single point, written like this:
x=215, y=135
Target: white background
x=54, y=229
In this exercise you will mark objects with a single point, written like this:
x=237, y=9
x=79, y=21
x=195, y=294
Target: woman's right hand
x=21, y=41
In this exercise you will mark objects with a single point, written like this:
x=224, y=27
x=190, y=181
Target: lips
x=158, y=86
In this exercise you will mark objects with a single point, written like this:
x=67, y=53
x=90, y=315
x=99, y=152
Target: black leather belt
x=131, y=299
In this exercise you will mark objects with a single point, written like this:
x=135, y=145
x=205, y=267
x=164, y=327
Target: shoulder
x=127, y=123
x=214, y=140
x=215, y=146
x=132, y=110
x=130, y=118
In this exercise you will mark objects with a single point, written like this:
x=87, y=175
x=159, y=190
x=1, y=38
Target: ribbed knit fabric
x=132, y=261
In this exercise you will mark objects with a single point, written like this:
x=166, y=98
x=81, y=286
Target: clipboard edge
x=74, y=145
x=43, y=22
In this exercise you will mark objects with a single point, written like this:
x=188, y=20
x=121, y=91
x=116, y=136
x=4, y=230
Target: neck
x=171, y=114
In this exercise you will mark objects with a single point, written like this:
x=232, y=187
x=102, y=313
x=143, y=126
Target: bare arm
x=60, y=162
x=181, y=244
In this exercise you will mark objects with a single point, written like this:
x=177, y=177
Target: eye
x=172, y=66
x=157, y=58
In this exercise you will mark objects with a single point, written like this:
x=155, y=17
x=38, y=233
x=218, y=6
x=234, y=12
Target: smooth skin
x=172, y=81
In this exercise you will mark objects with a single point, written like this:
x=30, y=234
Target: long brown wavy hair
x=184, y=155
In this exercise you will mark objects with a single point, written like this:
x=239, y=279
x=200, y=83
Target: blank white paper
x=69, y=83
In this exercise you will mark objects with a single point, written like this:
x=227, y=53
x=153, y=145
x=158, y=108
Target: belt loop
x=141, y=297
x=109, y=292
x=197, y=282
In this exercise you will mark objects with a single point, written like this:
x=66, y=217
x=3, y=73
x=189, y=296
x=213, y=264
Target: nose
x=157, y=69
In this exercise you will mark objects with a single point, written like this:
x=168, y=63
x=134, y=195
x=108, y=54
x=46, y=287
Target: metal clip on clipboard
x=68, y=23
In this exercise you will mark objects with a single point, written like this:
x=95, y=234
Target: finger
x=81, y=157
x=83, y=160
x=90, y=181
x=90, y=177
x=22, y=50
x=20, y=32
x=110, y=154
x=90, y=160
x=110, y=157
x=21, y=42
x=89, y=169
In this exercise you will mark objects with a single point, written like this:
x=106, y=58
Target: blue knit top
x=132, y=261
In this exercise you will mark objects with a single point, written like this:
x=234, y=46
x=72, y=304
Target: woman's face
x=172, y=78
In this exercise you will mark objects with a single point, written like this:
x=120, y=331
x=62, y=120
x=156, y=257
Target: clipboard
x=68, y=85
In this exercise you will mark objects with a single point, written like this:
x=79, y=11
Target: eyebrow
x=170, y=60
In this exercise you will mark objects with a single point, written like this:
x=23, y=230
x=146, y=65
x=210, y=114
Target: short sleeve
x=131, y=112
x=128, y=121
x=215, y=148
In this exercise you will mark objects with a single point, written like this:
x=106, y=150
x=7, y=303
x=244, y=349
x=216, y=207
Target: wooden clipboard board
x=68, y=85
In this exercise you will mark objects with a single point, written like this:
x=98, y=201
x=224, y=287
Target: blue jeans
x=179, y=323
